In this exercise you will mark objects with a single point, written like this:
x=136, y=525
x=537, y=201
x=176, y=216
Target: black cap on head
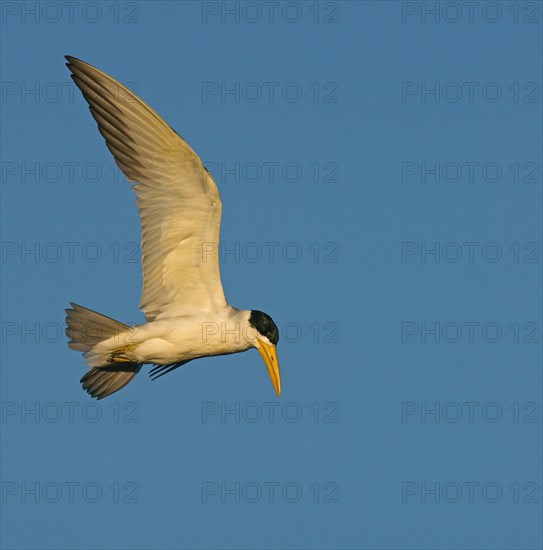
x=265, y=325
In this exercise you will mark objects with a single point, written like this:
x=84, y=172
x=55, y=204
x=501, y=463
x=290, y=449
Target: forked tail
x=86, y=329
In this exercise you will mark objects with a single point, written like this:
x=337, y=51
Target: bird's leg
x=122, y=355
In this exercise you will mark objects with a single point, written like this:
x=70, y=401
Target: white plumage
x=180, y=210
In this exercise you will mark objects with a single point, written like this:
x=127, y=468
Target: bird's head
x=265, y=341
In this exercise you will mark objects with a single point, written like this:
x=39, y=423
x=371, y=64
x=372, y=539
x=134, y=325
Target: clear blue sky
x=392, y=164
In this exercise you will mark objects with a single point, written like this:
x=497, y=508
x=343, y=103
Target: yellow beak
x=269, y=354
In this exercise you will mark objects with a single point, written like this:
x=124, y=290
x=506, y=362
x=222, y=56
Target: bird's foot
x=122, y=355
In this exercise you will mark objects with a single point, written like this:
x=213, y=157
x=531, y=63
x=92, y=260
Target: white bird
x=180, y=210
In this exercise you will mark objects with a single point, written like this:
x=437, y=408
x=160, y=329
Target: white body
x=180, y=209
x=176, y=339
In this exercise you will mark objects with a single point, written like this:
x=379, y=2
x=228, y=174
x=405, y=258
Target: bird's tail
x=86, y=329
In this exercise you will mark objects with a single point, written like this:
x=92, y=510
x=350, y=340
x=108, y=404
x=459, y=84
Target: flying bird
x=187, y=314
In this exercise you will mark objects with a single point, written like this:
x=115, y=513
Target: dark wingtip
x=73, y=61
x=160, y=370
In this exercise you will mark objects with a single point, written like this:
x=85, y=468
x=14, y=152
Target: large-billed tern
x=180, y=210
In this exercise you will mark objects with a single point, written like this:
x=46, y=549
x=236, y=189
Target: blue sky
x=380, y=171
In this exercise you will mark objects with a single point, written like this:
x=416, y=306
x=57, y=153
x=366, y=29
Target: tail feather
x=100, y=382
x=86, y=329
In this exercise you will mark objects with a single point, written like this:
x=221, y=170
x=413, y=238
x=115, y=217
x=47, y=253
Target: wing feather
x=178, y=200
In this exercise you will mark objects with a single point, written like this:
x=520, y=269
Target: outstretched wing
x=179, y=204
